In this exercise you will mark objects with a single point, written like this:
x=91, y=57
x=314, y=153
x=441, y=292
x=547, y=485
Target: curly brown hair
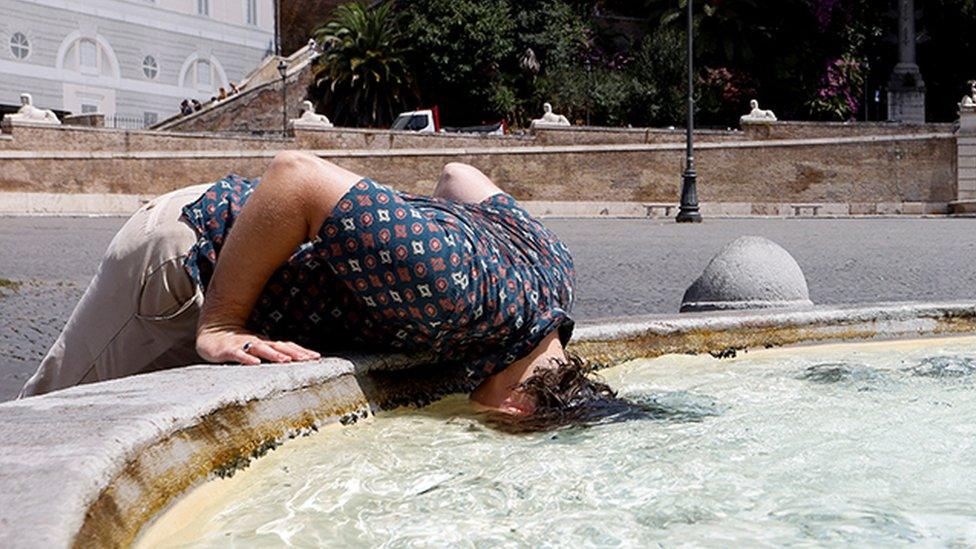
x=566, y=394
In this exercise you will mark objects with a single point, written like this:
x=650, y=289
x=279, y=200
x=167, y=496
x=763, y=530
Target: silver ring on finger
x=247, y=347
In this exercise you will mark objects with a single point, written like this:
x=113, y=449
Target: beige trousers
x=139, y=313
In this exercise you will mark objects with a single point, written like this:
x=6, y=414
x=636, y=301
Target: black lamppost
x=688, y=212
x=283, y=71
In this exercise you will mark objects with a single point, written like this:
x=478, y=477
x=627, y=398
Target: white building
x=132, y=60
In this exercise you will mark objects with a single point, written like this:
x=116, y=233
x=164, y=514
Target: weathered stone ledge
x=614, y=340
x=467, y=151
x=963, y=208
x=92, y=464
x=115, y=204
x=92, y=130
x=679, y=132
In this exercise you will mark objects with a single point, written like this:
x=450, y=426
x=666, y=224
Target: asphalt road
x=624, y=267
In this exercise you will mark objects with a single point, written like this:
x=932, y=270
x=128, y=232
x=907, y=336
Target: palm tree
x=362, y=77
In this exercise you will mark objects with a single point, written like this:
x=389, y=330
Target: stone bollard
x=751, y=272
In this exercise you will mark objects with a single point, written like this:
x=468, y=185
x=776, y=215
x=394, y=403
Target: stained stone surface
x=751, y=272
x=78, y=439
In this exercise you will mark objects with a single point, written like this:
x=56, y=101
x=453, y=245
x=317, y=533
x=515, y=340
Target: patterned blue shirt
x=477, y=285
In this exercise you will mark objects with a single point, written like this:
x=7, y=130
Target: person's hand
x=239, y=345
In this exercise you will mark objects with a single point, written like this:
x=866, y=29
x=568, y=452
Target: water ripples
x=848, y=446
x=944, y=367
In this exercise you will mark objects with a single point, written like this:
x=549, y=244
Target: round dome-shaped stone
x=751, y=272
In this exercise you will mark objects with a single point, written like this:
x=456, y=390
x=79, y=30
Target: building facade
x=132, y=60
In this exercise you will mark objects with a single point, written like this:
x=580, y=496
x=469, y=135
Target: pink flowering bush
x=842, y=84
x=723, y=93
x=731, y=86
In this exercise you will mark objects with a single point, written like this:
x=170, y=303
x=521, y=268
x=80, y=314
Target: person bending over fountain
x=313, y=258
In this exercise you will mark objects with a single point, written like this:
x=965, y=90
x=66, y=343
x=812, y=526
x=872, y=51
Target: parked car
x=428, y=121
x=423, y=121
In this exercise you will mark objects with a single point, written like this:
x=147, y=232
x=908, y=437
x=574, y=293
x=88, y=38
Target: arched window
x=204, y=74
x=19, y=46
x=88, y=56
x=149, y=67
x=200, y=74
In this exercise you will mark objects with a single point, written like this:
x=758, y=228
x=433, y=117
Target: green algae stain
x=8, y=285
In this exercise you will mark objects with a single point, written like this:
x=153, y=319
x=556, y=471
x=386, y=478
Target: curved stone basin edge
x=93, y=464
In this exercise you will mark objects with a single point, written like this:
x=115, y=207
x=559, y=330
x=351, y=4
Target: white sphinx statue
x=968, y=102
x=29, y=113
x=967, y=111
x=550, y=118
x=313, y=48
x=309, y=118
x=757, y=115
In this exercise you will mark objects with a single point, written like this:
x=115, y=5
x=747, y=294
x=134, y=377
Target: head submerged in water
x=566, y=394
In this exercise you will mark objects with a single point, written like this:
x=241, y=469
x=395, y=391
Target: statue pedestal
x=306, y=124
x=747, y=120
x=967, y=120
x=966, y=154
x=906, y=95
x=11, y=120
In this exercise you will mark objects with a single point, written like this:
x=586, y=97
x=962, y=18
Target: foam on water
x=867, y=444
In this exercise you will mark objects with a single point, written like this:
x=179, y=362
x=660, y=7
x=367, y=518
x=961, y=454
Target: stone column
x=906, y=90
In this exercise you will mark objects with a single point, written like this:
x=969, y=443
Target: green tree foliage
x=746, y=47
x=556, y=34
x=470, y=58
x=659, y=69
x=462, y=50
x=362, y=78
x=820, y=59
x=481, y=60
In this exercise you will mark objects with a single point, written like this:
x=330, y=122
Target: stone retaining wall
x=793, y=129
x=359, y=138
x=39, y=138
x=886, y=169
x=856, y=174
x=25, y=136
x=594, y=135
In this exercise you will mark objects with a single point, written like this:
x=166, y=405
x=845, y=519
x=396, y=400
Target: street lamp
x=283, y=70
x=688, y=212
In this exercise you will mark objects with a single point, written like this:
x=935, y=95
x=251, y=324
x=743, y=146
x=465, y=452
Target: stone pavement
x=624, y=267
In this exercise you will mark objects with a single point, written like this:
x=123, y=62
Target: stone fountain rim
x=120, y=452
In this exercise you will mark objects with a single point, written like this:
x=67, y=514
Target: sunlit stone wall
x=871, y=174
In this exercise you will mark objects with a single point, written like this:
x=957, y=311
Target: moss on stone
x=8, y=284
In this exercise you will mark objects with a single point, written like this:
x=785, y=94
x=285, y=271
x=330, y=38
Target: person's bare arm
x=295, y=196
